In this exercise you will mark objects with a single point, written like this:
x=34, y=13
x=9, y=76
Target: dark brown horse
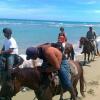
x=88, y=48
x=31, y=77
x=69, y=51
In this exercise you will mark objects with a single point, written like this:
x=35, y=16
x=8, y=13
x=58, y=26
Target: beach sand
x=92, y=78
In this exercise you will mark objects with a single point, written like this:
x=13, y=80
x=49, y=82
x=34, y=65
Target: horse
x=69, y=51
x=88, y=48
x=66, y=48
x=31, y=78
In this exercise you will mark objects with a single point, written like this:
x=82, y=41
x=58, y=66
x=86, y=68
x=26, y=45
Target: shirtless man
x=53, y=60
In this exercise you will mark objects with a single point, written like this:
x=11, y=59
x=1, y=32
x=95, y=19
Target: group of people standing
x=53, y=56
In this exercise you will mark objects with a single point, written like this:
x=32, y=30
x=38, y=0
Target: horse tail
x=82, y=82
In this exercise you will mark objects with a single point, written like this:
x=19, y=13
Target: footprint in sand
x=93, y=83
x=91, y=92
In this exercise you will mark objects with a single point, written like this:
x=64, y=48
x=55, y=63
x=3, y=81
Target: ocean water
x=34, y=32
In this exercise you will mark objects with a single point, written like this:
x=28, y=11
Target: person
x=62, y=39
x=9, y=50
x=62, y=33
x=91, y=35
x=53, y=60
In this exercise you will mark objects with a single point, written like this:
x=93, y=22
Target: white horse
x=30, y=63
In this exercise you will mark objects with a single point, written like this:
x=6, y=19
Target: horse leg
x=61, y=94
x=73, y=94
x=98, y=54
x=88, y=57
x=4, y=93
x=82, y=82
x=93, y=55
x=84, y=58
x=75, y=88
x=45, y=94
x=17, y=86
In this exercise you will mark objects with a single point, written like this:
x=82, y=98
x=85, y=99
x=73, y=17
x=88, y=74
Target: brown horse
x=31, y=77
x=69, y=51
x=88, y=48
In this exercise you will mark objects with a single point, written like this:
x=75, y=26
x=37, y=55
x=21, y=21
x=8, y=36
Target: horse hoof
x=83, y=94
x=61, y=99
x=84, y=64
x=73, y=98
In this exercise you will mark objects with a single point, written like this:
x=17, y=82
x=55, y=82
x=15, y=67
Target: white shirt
x=11, y=43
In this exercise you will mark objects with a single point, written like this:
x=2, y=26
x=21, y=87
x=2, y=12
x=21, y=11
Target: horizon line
x=48, y=20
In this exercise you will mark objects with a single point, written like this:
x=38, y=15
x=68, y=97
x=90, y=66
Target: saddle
x=18, y=60
x=53, y=77
x=47, y=78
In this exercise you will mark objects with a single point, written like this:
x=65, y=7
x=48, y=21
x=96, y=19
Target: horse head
x=82, y=41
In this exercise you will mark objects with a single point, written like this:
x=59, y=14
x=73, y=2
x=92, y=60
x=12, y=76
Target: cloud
x=92, y=11
x=27, y=13
x=91, y=2
x=96, y=11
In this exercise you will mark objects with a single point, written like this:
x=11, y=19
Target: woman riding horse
x=68, y=49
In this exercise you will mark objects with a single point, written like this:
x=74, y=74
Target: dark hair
x=57, y=45
x=7, y=30
x=62, y=34
x=90, y=27
x=61, y=28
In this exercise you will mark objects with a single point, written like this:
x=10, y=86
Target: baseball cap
x=7, y=30
x=31, y=52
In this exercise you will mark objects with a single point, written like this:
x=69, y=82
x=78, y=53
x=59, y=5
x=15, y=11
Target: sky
x=62, y=10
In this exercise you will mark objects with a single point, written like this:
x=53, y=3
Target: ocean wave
x=98, y=39
x=71, y=25
x=50, y=23
x=6, y=23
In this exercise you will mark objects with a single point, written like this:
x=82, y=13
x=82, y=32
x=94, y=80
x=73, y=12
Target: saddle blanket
x=73, y=68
